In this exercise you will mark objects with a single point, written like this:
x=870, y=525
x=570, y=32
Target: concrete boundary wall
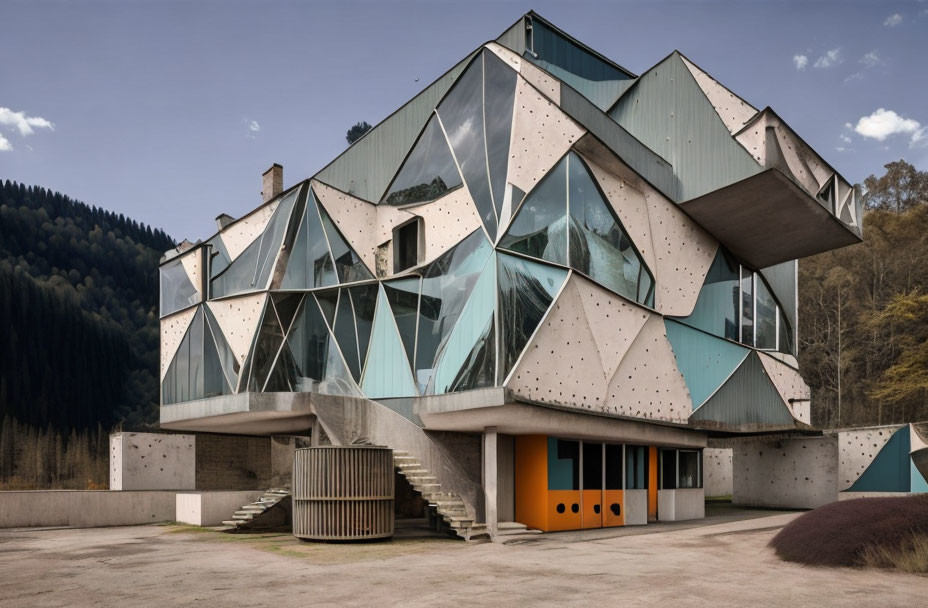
x=85, y=508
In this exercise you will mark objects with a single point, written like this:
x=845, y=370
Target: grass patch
x=890, y=532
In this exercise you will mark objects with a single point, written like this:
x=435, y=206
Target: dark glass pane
x=526, y=290
x=716, y=309
x=177, y=291
x=592, y=466
x=286, y=305
x=540, y=225
x=786, y=335
x=599, y=247
x=346, y=335
x=446, y=285
x=227, y=360
x=403, y=295
x=407, y=247
x=348, y=266
x=461, y=114
x=563, y=464
x=765, y=325
x=668, y=469
x=319, y=367
x=219, y=256
x=310, y=264
x=747, y=307
x=214, y=380
x=267, y=344
x=195, y=362
x=283, y=377
x=689, y=469
x=364, y=301
x=328, y=302
x=614, y=466
x=429, y=170
x=636, y=467
x=499, y=91
x=479, y=369
x=240, y=275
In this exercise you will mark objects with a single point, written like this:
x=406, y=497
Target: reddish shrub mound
x=844, y=533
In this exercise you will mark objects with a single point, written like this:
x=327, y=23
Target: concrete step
x=255, y=508
x=410, y=472
x=400, y=453
x=420, y=479
x=408, y=464
x=232, y=523
x=242, y=516
x=404, y=458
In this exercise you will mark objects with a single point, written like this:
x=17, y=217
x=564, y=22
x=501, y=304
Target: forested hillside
x=863, y=311
x=78, y=305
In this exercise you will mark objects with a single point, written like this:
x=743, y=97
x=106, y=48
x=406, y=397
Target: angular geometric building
x=544, y=280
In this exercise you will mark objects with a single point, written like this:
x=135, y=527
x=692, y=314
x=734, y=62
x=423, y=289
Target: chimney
x=224, y=220
x=272, y=182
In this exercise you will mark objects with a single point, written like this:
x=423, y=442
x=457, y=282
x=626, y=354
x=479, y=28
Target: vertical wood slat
x=343, y=493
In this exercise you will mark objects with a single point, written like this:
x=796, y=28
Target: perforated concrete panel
x=447, y=220
x=242, y=233
x=192, y=263
x=614, y=321
x=647, y=383
x=628, y=202
x=355, y=218
x=541, y=80
x=561, y=364
x=238, y=319
x=173, y=329
x=683, y=253
x=789, y=385
x=542, y=134
x=509, y=58
x=733, y=110
x=790, y=473
x=857, y=449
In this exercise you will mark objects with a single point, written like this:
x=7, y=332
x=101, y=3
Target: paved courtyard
x=723, y=561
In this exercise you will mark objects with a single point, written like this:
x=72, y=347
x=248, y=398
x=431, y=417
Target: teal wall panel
x=917, y=482
x=705, y=361
x=891, y=470
x=668, y=111
x=387, y=373
x=366, y=168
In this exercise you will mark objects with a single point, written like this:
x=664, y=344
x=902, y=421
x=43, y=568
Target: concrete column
x=490, y=478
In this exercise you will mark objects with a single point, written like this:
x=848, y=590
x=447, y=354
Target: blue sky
x=170, y=111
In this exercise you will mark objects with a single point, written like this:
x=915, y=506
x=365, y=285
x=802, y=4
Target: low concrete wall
x=717, y=472
x=680, y=505
x=786, y=473
x=85, y=508
x=636, y=507
x=211, y=508
x=152, y=461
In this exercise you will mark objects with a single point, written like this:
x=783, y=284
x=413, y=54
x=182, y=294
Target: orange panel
x=569, y=503
x=612, y=501
x=532, y=481
x=652, y=483
x=592, y=508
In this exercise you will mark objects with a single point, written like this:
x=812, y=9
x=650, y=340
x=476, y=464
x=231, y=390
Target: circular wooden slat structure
x=343, y=493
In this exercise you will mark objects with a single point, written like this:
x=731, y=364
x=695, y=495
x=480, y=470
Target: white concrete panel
x=636, y=507
x=542, y=134
x=789, y=146
x=681, y=505
x=192, y=263
x=647, y=383
x=754, y=139
x=857, y=449
x=238, y=319
x=152, y=461
x=561, y=364
x=790, y=473
x=549, y=86
x=173, y=329
x=733, y=110
x=789, y=385
x=789, y=360
x=683, y=253
x=717, y=471
x=446, y=221
x=508, y=57
x=239, y=235
x=613, y=320
x=628, y=202
x=355, y=218
x=211, y=508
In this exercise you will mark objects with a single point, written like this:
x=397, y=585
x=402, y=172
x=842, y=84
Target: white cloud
x=854, y=76
x=919, y=138
x=893, y=20
x=254, y=126
x=845, y=138
x=5, y=145
x=800, y=61
x=884, y=123
x=840, y=148
x=22, y=123
x=871, y=59
x=830, y=58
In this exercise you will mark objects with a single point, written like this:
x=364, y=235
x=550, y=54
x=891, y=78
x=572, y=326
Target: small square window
x=406, y=246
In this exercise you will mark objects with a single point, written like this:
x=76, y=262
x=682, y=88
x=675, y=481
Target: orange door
x=563, y=510
x=652, y=483
x=613, y=509
x=592, y=508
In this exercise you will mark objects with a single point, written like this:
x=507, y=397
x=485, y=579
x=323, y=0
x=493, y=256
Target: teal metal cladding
x=747, y=400
x=705, y=361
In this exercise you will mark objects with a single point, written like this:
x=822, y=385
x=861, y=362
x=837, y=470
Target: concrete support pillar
x=490, y=478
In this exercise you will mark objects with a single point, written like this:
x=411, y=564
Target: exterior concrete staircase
x=250, y=511
x=446, y=511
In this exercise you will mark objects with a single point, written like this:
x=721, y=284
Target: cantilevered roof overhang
x=766, y=219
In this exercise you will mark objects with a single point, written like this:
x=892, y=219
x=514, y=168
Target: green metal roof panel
x=668, y=111
x=603, y=93
x=514, y=38
x=366, y=168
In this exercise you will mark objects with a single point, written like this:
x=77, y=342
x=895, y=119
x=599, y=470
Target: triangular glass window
x=539, y=229
x=403, y=296
x=348, y=266
x=499, y=90
x=317, y=362
x=364, y=303
x=310, y=264
x=328, y=302
x=347, y=335
x=428, y=172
